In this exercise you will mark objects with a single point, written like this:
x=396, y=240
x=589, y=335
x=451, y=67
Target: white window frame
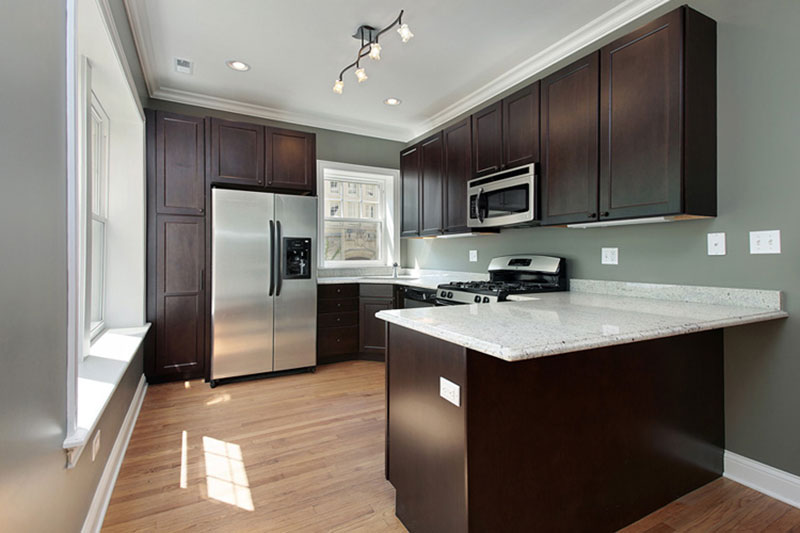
x=389, y=181
x=95, y=110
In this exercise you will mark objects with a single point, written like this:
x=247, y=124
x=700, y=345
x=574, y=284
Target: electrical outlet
x=610, y=256
x=95, y=445
x=450, y=391
x=765, y=242
x=473, y=256
x=716, y=244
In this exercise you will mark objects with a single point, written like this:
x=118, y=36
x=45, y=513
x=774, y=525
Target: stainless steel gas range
x=508, y=275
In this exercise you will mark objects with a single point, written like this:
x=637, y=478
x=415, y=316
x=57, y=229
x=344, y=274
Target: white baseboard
x=102, y=495
x=768, y=480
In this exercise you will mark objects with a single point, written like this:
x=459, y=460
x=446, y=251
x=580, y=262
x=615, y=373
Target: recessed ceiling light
x=392, y=101
x=240, y=66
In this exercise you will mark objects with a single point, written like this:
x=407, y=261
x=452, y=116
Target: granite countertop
x=426, y=279
x=592, y=315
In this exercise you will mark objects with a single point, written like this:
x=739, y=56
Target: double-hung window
x=97, y=191
x=357, y=210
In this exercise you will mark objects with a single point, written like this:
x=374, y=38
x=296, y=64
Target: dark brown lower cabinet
x=179, y=299
x=372, y=331
x=587, y=441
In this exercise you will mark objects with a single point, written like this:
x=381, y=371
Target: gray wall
x=37, y=492
x=759, y=187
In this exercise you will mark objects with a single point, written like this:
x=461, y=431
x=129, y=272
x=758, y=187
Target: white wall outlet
x=765, y=242
x=716, y=244
x=473, y=256
x=450, y=391
x=610, y=256
x=95, y=445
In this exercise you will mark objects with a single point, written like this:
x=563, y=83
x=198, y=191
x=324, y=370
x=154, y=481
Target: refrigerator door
x=296, y=290
x=241, y=266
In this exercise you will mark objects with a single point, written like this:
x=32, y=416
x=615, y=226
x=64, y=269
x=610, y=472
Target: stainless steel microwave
x=507, y=198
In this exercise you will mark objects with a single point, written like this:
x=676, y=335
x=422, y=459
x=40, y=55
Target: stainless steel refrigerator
x=263, y=283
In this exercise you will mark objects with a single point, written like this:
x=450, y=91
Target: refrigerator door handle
x=278, y=258
x=271, y=257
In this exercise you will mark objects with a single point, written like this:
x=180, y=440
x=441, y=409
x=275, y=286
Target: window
x=357, y=208
x=97, y=197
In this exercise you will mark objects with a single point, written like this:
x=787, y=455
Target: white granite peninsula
x=572, y=411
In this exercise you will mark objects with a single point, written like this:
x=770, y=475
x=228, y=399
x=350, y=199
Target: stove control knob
x=486, y=299
x=477, y=299
x=443, y=294
x=449, y=294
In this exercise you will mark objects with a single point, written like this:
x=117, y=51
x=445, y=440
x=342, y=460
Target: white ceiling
x=463, y=52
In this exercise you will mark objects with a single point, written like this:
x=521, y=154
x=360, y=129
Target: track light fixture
x=370, y=47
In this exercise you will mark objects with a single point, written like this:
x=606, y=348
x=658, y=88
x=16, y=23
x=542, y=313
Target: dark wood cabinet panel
x=457, y=172
x=431, y=179
x=180, y=298
x=179, y=164
x=410, y=185
x=343, y=290
x=521, y=127
x=237, y=153
x=291, y=160
x=372, y=331
x=332, y=320
x=569, y=143
x=640, y=156
x=337, y=305
x=336, y=341
x=487, y=139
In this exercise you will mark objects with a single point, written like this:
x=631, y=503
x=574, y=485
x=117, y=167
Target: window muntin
x=353, y=220
x=97, y=191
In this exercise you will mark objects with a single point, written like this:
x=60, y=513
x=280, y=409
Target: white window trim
x=95, y=105
x=390, y=238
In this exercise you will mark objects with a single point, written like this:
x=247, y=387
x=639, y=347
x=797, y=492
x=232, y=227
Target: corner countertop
x=593, y=314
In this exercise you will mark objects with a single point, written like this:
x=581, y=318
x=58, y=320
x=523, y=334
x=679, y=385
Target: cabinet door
x=291, y=160
x=180, y=164
x=640, y=140
x=569, y=143
x=237, y=153
x=432, y=177
x=487, y=139
x=409, y=182
x=457, y=172
x=372, y=331
x=180, y=297
x=521, y=127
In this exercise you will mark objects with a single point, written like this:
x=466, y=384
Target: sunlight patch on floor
x=226, y=478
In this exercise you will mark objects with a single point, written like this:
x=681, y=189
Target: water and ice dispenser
x=296, y=258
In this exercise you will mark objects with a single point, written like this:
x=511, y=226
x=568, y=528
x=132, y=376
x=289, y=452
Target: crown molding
x=584, y=36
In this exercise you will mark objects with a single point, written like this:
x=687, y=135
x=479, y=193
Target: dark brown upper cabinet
x=457, y=172
x=179, y=299
x=506, y=133
x=291, y=160
x=658, y=119
x=432, y=184
x=409, y=184
x=487, y=139
x=237, y=153
x=179, y=164
x=521, y=127
x=570, y=110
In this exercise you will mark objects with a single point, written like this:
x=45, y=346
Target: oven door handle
x=478, y=205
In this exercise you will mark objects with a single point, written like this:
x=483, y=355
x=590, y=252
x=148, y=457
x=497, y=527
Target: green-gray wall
x=37, y=492
x=759, y=188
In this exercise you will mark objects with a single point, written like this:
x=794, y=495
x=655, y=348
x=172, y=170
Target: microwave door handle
x=478, y=205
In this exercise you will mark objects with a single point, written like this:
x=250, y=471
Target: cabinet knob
x=338, y=291
x=338, y=320
x=593, y=215
x=338, y=340
x=604, y=214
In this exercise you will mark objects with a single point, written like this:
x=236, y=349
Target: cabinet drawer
x=331, y=320
x=337, y=306
x=334, y=341
x=372, y=290
x=345, y=290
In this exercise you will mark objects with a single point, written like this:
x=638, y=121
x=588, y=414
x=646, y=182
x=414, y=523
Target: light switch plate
x=765, y=242
x=610, y=256
x=473, y=256
x=450, y=391
x=716, y=244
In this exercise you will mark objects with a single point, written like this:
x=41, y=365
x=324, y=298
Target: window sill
x=99, y=375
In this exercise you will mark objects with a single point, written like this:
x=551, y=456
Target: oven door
x=505, y=202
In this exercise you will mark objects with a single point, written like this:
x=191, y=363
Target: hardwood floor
x=305, y=453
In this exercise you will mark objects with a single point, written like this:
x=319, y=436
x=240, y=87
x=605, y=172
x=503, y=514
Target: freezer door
x=241, y=305
x=296, y=298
